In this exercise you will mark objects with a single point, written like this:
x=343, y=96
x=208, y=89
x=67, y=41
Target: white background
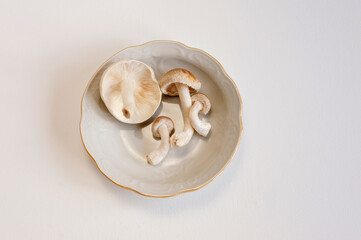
x=297, y=172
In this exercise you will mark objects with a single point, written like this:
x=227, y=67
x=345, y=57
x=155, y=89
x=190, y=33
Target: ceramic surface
x=119, y=149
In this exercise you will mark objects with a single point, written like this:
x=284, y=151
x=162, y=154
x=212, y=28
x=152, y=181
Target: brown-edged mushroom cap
x=160, y=121
x=168, y=82
x=202, y=98
x=162, y=127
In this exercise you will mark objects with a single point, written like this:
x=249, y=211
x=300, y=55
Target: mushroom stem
x=200, y=126
x=157, y=155
x=128, y=99
x=182, y=138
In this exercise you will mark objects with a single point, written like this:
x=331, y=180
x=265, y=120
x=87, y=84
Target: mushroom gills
x=130, y=91
x=127, y=93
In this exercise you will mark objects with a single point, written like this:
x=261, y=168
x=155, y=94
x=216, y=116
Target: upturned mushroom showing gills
x=130, y=91
x=162, y=127
x=200, y=104
x=180, y=82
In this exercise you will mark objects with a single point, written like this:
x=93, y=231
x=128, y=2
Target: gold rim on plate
x=183, y=191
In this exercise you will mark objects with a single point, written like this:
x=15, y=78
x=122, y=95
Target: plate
x=119, y=149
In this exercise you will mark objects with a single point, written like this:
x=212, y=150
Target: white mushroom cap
x=168, y=82
x=160, y=121
x=202, y=98
x=130, y=91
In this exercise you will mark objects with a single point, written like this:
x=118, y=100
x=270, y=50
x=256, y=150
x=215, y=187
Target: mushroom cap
x=202, y=98
x=178, y=75
x=159, y=121
x=139, y=78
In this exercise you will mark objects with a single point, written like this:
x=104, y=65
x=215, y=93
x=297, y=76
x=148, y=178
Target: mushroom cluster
x=132, y=95
x=182, y=83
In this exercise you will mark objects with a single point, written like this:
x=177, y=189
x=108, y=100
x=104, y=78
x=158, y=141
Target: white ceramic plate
x=119, y=149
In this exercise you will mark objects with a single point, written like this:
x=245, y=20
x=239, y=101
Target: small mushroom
x=162, y=128
x=182, y=83
x=130, y=91
x=200, y=104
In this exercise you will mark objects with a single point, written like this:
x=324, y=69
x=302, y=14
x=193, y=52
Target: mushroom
x=162, y=128
x=182, y=83
x=200, y=104
x=130, y=91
